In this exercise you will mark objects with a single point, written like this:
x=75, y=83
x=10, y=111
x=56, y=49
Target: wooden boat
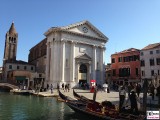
x=96, y=110
x=81, y=97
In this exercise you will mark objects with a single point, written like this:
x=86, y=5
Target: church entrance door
x=82, y=74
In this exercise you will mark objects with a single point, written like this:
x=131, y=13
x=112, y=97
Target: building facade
x=20, y=68
x=150, y=63
x=75, y=54
x=37, y=57
x=125, y=66
x=1, y=70
x=11, y=65
x=108, y=73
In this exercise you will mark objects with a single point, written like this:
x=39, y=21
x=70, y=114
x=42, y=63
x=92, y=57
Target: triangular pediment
x=85, y=28
x=84, y=57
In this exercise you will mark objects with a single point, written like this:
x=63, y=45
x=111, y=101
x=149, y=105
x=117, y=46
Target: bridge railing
x=8, y=81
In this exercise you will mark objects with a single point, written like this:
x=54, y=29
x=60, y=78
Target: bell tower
x=11, y=41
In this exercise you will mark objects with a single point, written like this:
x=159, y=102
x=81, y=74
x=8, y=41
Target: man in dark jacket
x=133, y=100
x=158, y=94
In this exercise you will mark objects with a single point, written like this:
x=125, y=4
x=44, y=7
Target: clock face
x=85, y=30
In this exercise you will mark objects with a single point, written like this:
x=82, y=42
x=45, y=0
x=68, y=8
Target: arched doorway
x=82, y=74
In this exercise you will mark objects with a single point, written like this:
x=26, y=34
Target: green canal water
x=20, y=107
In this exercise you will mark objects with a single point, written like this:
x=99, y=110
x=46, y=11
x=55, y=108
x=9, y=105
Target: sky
x=127, y=23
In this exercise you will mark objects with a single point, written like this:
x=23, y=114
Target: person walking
x=65, y=88
x=122, y=95
x=152, y=90
x=47, y=86
x=133, y=100
x=68, y=86
x=138, y=89
x=62, y=86
x=51, y=89
x=158, y=94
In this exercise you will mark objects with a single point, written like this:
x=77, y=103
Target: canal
x=20, y=107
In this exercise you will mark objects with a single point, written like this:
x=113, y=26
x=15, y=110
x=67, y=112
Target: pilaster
x=94, y=62
x=52, y=62
x=102, y=65
x=48, y=62
x=63, y=60
x=72, y=62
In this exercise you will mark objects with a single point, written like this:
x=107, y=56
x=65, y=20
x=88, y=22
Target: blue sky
x=127, y=23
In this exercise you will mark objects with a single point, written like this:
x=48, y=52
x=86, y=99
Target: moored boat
x=81, y=97
x=96, y=110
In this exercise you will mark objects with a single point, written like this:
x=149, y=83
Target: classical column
x=62, y=60
x=47, y=62
x=102, y=65
x=94, y=63
x=78, y=65
x=55, y=61
x=52, y=65
x=72, y=62
x=90, y=71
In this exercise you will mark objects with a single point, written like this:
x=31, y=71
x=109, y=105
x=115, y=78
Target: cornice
x=80, y=42
x=52, y=30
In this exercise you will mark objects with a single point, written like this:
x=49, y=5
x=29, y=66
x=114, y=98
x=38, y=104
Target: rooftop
x=151, y=46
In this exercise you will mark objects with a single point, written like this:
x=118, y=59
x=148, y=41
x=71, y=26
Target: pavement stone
x=113, y=96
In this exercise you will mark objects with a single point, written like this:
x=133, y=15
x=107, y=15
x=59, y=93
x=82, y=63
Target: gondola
x=81, y=97
x=96, y=110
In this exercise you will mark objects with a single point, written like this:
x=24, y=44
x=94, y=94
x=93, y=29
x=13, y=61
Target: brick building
x=13, y=70
x=125, y=66
x=37, y=57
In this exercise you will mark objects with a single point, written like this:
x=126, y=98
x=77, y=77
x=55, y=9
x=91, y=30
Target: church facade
x=75, y=54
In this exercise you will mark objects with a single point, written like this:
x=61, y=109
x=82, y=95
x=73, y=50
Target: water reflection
x=18, y=107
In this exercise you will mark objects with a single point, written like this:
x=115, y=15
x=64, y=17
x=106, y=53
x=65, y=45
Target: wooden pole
x=145, y=89
x=94, y=94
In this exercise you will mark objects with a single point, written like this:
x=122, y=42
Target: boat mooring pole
x=94, y=94
x=145, y=89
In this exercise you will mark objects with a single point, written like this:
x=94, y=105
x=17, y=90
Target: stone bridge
x=11, y=86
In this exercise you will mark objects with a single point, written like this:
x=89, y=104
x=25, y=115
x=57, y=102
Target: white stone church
x=75, y=54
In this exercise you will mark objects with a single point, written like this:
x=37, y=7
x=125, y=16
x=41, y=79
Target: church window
x=10, y=66
x=14, y=40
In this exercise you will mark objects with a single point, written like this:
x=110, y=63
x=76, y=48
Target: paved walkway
x=113, y=96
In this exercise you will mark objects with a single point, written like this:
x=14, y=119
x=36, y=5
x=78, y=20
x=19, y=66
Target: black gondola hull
x=82, y=109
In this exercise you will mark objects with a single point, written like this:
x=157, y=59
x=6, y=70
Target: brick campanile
x=11, y=41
